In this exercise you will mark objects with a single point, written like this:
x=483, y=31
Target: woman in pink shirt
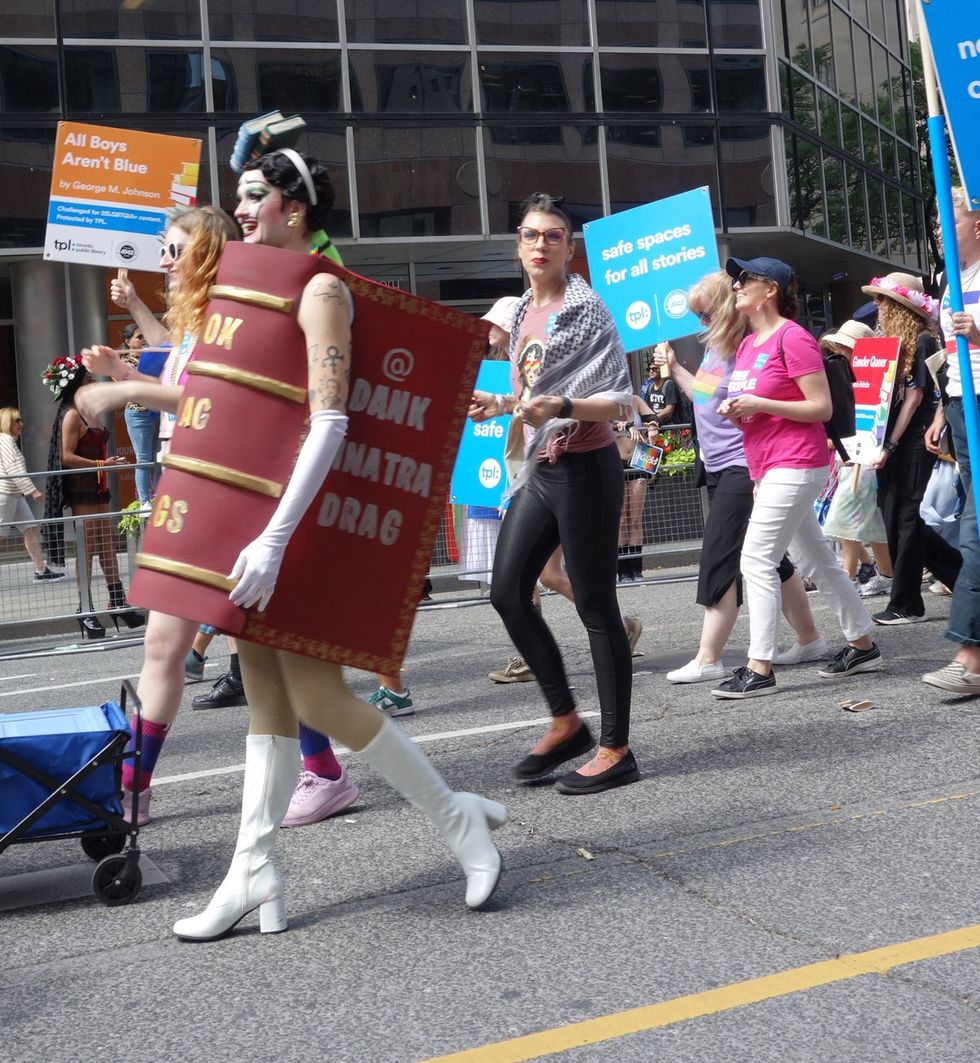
x=779, y=396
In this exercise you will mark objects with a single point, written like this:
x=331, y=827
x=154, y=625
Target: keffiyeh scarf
x=584, y=358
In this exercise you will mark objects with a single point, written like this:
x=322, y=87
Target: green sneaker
x=392, y=704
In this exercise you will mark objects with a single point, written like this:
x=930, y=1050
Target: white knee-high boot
x=464, y=820
x=271, y=770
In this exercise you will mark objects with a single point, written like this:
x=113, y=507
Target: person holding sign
x=906, y=313
x=571, y=373
x=729, y=490
x=962, y=674
x=779, y=396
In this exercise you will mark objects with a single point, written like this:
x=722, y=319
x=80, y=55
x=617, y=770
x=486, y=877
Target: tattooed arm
x=324, y=317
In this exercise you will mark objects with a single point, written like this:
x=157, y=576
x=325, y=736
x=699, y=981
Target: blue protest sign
x=954, y=34
x=479, y=478
x=642, y=262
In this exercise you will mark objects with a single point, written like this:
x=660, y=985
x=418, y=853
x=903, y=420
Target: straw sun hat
x=848, y=334
x=904, y=289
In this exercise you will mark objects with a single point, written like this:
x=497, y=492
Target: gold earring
x=294, y=219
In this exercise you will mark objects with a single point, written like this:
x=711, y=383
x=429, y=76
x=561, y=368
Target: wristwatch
x=890, y=446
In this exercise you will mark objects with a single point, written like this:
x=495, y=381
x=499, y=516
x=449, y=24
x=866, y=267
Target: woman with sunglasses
x=16, y=487
x=730, y=491
x=570, y=379
x=779, y=397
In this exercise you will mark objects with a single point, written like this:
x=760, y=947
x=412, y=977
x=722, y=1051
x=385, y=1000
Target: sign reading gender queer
x=110, y=191
x=874, y=363
x=954, y=33
x=479, y=477
x=642, y=262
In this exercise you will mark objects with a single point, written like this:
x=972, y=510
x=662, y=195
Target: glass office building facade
x=437, y=117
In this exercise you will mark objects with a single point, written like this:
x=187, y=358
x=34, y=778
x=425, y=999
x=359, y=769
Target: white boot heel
x=495, y=812
x=469, y=838
x=271, y=768
x=464, y=820
x=272, y=916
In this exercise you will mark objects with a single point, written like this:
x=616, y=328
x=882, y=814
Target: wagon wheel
x=116, y=880
x=99, y=843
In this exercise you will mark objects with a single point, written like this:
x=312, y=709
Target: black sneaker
x=227, y=691
x=745, y=683
x=47, y=574
x=851, y=660
x=892, y=616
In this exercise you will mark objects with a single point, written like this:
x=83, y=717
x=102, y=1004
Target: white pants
x=783, y=521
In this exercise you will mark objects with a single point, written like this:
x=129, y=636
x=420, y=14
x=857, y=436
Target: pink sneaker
x=315, y=798
x=127, y=806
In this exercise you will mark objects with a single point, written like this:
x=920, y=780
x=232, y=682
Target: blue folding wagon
x=60, y=777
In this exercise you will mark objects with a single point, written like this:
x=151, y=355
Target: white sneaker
x=694, y=672
x=878, y=584
x=797, y=654
x=938, y=587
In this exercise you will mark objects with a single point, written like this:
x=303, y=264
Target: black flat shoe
x=539, y=765
x=622, y=773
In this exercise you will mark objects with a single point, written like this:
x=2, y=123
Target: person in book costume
x=282, y=359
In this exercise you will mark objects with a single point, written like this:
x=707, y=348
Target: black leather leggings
x=576, y=504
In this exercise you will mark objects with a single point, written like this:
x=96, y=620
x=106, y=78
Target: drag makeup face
x=262, y=213
x=544, y=246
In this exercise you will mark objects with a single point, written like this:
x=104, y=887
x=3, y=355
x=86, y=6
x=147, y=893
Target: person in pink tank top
x=779, y=396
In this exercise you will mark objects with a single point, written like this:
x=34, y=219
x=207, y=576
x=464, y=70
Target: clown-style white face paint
x=261, y=212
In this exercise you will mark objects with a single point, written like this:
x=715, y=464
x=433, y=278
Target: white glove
x=257, y=567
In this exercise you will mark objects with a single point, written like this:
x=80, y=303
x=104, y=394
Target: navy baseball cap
x=770, y=268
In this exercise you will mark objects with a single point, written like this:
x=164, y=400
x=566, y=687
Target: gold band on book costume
x=244, y=416
x=185, y=571
x=251, y=297
x=248, y=380
x=223, y=474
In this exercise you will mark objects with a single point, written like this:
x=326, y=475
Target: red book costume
x=240, y=425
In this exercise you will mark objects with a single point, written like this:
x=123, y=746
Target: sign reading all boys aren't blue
x=642, y=262
x=954, y=34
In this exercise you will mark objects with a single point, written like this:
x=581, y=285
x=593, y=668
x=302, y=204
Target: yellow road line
x=725, y=998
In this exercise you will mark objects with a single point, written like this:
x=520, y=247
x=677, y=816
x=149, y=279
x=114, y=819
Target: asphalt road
x=767, y=838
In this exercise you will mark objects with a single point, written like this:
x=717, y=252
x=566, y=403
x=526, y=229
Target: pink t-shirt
x=773, y=442
x=536, y=327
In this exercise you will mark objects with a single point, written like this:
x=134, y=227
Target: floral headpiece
x=914, y=298
x=61, y=372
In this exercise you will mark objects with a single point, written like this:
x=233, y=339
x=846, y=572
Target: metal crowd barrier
x=672, y=511
x=23, y=599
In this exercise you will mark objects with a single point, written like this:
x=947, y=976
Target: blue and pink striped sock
x=154, y=735
x=317, y=755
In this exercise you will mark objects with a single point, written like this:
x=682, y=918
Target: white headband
x=304, y=171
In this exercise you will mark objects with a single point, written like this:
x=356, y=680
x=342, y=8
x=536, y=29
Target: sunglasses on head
x=173, y=250
x=551, y=236
x=745, y=277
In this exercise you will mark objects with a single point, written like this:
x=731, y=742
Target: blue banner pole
x=944, y=199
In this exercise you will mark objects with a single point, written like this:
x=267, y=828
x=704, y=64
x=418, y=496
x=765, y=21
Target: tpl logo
x=62, y=245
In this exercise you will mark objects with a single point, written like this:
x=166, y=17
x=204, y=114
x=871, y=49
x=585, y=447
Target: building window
x=410, y=82
x=546, y=23
x=28, y=80
x=657, y=24
x=406, y=22
x=566, y=164
x=408, y=181
x=272, y=20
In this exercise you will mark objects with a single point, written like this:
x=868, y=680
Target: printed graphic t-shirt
x=773, y=442
x=536, y=328
x=719, y=440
